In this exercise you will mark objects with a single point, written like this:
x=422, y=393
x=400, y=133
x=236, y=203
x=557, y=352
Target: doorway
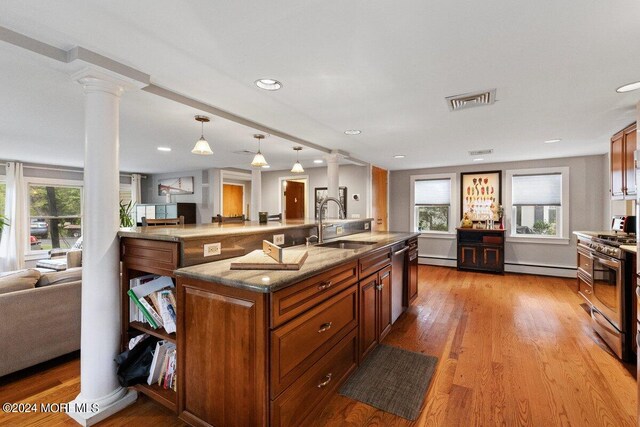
x=379, y=186
x=232, y=200
x=294, y=195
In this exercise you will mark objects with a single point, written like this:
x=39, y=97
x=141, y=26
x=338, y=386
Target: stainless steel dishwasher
x=398, y=272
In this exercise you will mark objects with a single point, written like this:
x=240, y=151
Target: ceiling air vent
x=481, y=152
x=245, y=152
x=470, y=100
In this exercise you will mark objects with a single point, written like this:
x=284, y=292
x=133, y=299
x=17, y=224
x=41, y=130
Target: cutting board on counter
x=292, y=259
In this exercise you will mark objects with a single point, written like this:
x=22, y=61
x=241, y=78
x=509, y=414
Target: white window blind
x=540, y=190
x=433, y=192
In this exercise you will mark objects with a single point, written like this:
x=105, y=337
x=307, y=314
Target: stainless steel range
x=606, y=272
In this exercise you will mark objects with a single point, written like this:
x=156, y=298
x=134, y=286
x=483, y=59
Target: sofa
x=40, y=316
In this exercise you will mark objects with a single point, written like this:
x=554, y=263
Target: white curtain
x=13, y=244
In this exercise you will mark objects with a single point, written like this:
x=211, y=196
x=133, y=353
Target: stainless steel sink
x=346, y=244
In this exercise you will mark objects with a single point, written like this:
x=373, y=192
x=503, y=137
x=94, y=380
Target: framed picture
x=480, y=194
x=182, y=185
x=321, y=194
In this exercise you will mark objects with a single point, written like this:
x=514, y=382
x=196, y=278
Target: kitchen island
x=268, y=347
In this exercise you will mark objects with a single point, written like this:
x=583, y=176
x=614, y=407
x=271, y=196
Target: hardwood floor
x=513, y=350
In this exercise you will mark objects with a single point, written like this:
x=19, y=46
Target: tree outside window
x=55, y=216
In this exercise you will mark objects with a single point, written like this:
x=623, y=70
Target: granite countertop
x=629, y=248
x=178, y=233
x=319, y=259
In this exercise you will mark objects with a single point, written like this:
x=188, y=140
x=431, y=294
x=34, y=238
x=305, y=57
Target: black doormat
x=393, y=380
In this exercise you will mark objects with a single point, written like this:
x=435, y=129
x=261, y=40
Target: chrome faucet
x=309, y=239
x=320, y=225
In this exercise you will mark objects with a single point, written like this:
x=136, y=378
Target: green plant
x=541, y=227
x=4, y=221
x=125, y=214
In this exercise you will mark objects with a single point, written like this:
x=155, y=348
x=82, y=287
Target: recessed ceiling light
x=478, y=160
x=628, y=87
x=164, y=148
x=266, y=167
x=317, y=161
x=268, y=84
x=399, y=156
x=551, y=141
x=352, y=132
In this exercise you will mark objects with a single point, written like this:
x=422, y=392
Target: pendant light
x=202, y=146
x=259, y=160
x=297, y=166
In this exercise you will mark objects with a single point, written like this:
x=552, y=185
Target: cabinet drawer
x=307, y=394
x=150, y=255
x=585, y=290
x=289, y=302
x=371, y=263
x=585, y=263
x=297, y=345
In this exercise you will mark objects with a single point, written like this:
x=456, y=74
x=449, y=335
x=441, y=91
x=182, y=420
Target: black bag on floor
x=134, y=365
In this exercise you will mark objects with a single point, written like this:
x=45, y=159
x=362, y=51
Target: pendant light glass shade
x=258, y=159
x=202, y=146
x=297, y=166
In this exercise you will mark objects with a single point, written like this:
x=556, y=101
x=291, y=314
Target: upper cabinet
x=623, y=146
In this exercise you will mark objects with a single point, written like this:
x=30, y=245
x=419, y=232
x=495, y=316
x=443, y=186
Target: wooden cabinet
x=623, y=165
x=411, y=274
x=481, y=250
x=375, y=310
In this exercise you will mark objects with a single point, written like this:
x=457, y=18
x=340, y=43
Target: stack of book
x=154, y=302
x=163, y=366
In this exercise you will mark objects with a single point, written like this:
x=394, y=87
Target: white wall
x=589, y=201
x=354, y=177
x=202, y=194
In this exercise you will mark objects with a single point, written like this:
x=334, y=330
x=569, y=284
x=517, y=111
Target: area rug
x=393, y=380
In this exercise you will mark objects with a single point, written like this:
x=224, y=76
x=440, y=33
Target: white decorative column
x=256, y=193
x=333, y=183
x=100, y=394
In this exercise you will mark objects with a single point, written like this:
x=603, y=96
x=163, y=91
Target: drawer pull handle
x=325, y=382
x=325, y=327
x=380, y=286
x=325, y=285
x=587, y=291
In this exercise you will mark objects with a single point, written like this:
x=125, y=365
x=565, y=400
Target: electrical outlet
x=278, y=239
x=339, y=230
x=212, y=249
x=366, y=225
x=355, y=216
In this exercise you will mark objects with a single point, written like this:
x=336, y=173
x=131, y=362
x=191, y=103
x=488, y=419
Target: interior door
x=232, y=200
x=379, y=183
x=294, y=194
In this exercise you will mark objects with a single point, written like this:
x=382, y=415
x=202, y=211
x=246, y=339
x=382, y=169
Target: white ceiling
x=372, y=65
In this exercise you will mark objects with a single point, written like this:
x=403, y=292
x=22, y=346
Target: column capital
x=332, y=157
x=95, y=79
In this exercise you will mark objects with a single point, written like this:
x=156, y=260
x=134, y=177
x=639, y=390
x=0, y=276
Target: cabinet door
x=630, y=143
x=368, y=324
x=617, y=165
x=384, y=302
x=412, y=276
x=467, y=256
x=491, y=258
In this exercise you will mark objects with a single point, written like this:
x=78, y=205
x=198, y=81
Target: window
x=125, y=193
x=3, y=192
x=539, y=203
x=55, y=216
x=432, y=203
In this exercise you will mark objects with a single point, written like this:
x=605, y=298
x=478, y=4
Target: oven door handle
x=595, y=315
x=607, y=262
